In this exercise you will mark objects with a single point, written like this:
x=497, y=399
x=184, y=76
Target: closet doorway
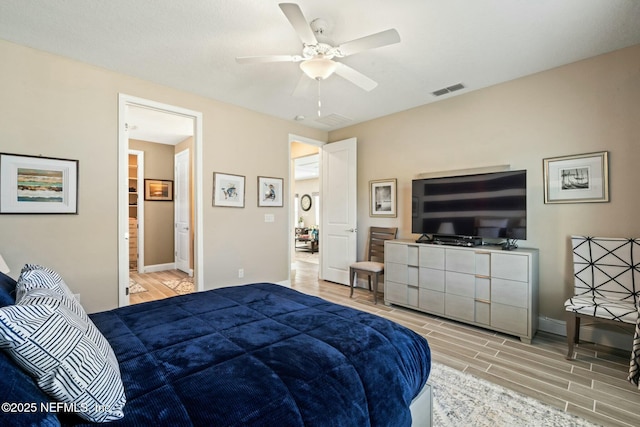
x=168, y=139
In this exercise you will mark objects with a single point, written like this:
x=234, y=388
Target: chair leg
x=573, y=333
x=351, y=274
x=375, y=288
x=369, y=281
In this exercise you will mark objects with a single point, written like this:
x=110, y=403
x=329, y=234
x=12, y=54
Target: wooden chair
x=374, y=265
x=607, y=283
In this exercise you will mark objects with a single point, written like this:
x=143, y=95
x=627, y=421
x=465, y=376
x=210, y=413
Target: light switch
x=269, y=218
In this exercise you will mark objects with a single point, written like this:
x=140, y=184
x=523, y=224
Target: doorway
x=305, y=199
x=136, y=123
x=337, y=217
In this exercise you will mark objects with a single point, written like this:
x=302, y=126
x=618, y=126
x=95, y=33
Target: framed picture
x=228, y=190
x=577, y=179
x=382, y=198
x=158, y=190
x=38, y=185
x=270, y=191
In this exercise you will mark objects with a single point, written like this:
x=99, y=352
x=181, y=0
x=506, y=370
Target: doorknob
x=352, y=230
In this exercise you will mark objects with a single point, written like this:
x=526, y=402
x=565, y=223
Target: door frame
x=124, y=101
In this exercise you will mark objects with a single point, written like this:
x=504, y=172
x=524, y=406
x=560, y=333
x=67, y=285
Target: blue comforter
x=262, y=355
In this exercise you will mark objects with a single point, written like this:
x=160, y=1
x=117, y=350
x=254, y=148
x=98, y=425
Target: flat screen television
x=488, y=205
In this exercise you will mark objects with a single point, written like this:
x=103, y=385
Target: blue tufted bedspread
x=262, y=355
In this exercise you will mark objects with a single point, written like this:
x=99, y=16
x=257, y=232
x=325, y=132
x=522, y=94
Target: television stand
x=482, y=286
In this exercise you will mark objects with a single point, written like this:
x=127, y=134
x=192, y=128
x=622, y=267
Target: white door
x=182, y=213
x=338, y=237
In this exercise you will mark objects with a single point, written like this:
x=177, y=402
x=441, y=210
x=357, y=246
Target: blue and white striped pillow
x=36, y=276
x=50, y=336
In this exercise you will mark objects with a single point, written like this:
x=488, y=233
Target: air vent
x=447, y=90
x=333, y=120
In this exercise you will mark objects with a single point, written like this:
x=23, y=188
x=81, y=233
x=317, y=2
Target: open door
x=182, y=204
x=338, y=232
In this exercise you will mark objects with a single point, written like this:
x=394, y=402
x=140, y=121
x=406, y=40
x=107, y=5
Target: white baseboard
x=599, y=335
x=158, y=267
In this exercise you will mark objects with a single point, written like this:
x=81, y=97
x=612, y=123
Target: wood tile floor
x=592, y=386
x=152, y=282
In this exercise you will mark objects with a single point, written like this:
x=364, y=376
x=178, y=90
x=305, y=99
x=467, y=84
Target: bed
x=259, y=354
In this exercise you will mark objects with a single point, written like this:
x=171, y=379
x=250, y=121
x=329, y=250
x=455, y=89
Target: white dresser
x=483, y=286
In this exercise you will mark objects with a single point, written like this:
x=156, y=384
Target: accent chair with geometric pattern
x=606, y=283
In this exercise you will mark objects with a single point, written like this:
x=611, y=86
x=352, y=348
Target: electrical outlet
x=240, y=273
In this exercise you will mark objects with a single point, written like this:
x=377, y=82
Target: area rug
x=135, y=287
x=461, y=399
x=180, y=286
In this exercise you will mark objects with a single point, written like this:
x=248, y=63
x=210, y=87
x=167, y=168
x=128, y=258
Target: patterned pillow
x=47, y=335
x=36, y=276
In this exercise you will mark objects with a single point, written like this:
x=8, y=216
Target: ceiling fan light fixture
x=319, y=67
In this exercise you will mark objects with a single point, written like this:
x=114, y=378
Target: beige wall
x=158, y=215
x=299, y=149
x=592, y=105
x=57, y=107
x=61, y=108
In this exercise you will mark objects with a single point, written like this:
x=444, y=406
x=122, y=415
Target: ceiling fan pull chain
x=319, y=99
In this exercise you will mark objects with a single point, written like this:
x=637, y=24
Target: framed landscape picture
x=228, y=190
x=382, y=198
x=577, y=179
x=158, y=190
x=270, y=191
x=38, y=185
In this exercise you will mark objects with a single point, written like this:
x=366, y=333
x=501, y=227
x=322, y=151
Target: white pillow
x=47, y=334
x=36, y=276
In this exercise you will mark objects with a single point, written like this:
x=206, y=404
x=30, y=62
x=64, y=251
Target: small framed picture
x=580, y=178
x=158, y=190
x=270, y=191
x=228, y=190
x=382, y=197
x=38, y=185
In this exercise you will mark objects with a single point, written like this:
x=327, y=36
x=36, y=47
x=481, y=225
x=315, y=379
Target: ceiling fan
x=317, y=58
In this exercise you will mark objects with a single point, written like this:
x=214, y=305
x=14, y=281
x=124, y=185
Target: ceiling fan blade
x=302, y=88
x=372, y=41
x=294, y=14
x=270, y=58
x=355, y=77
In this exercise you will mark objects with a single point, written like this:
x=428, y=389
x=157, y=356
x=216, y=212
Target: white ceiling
x=192, y=44
x=158, y=126
x=307, y=167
